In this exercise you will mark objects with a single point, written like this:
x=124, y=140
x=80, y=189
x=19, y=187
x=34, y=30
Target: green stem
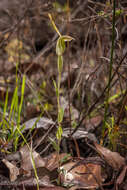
x=110, y=67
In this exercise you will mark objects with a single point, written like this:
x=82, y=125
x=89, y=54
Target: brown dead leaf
x=112, y=158
x=52, y=161
x=13, y=170
x=26, y=163
x=44, y=166
x=83, y=176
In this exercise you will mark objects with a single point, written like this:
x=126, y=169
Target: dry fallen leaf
x=112, y=158
x=26, y=163
x=14, y=171
x=42, y=122
x=52, y=161
x=83, y=176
